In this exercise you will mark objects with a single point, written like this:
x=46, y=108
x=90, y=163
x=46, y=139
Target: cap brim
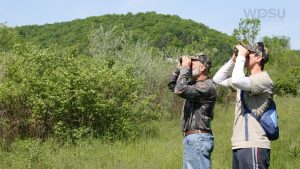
x=248, y=47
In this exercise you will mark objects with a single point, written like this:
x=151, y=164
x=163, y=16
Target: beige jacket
x=256, y=101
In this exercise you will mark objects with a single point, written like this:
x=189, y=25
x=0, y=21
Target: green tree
x=248, y=30
x=284, y=65
x=277, y=42
x=8, y=37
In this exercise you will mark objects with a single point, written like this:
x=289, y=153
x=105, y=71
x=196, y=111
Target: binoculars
x=236, y=51
x=180, y=59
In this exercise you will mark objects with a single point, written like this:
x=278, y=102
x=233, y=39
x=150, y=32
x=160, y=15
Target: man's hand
x=242, y=51
x=186, y=62
x=233, y=57
x=178, y=65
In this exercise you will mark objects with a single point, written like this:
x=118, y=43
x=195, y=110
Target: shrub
x=284, y=65
x=52, y=91
x=119, y=49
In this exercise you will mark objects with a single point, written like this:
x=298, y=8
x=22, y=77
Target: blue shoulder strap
x=246, y=111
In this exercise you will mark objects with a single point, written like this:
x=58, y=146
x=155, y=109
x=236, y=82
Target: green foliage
x=248, y=30
x=163, y=150
x=284, y=65
x=51, y=91
x=106, y=76
x=148, y=63
x=276, y=43
x=298, y=52
x=141, y=39
x=165, y=32
x=287, y=81
x=8, y=38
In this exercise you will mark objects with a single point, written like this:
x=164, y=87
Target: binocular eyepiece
x=180, y=60
x=235, y=51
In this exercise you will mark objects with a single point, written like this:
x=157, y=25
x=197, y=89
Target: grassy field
x=160, y=148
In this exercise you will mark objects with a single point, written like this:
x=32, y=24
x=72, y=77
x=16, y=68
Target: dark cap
x=259, y=49
x=203, y=58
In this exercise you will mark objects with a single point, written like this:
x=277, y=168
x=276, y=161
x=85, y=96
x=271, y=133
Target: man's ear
x=202, y=68
x=258, y=59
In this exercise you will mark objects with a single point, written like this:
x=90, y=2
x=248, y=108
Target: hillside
x=51, y=88
x=168, y=33
x=162, y=31
x=298, y=52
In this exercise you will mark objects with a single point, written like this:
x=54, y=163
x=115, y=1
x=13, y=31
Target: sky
x=278, y=17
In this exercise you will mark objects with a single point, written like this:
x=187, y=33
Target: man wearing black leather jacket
x=200, y=97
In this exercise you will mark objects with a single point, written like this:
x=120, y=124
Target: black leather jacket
x=200, y=99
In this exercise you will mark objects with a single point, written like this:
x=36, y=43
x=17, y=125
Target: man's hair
x=264, y=55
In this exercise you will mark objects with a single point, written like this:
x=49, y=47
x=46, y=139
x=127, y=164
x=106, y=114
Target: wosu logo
x=275, y=14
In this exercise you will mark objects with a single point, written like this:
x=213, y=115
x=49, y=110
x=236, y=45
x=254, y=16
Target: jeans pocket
x=207, y=145
x=191, y=144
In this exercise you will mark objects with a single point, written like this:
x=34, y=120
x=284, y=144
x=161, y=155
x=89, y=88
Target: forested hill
x=160, y=30
x=51, y=87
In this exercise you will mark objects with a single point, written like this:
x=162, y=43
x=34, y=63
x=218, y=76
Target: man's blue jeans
x=197, y=151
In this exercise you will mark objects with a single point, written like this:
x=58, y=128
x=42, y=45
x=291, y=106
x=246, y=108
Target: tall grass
x=159, y=147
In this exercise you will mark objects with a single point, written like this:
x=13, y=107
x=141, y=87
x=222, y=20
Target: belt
x=186, y=133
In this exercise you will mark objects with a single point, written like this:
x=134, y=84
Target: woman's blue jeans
x=197, y=151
